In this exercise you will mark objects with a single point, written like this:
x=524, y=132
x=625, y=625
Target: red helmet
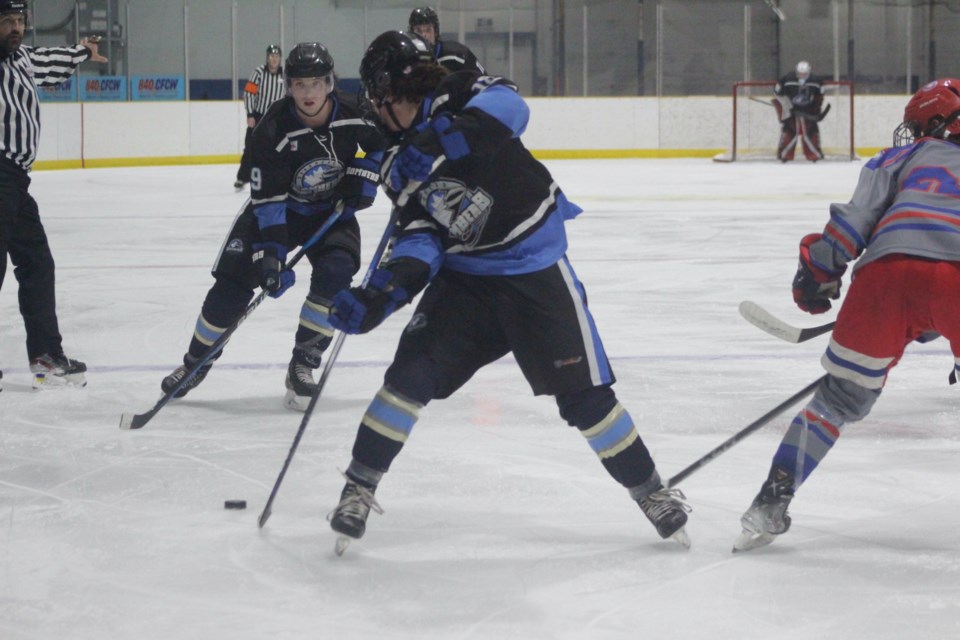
x=934, y=110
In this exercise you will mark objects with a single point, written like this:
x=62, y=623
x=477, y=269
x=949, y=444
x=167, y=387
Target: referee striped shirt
x=262, y=90
x=20, y=74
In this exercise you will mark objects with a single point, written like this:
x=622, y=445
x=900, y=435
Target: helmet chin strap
x=393, y=116
x=315, y=113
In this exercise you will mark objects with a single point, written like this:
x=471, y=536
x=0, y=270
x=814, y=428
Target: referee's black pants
x=23, y=238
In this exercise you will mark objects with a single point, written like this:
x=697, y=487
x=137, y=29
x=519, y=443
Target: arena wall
x=209, y=132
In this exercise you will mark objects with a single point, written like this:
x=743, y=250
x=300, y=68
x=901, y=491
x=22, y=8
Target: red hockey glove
x=813, y=287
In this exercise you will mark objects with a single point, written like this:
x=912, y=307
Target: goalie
x=798, y=101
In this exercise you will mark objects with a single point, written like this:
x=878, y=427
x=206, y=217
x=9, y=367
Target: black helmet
x=13, y=6
x=309, y=60
x=392, y=55
x=425, y=15
x=273, y=49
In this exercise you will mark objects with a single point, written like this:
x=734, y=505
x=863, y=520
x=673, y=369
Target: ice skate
x=350, y=516
x=668, y=513
x=767, y=516
x=172, y=380
x=300, y=386
x=57, y=371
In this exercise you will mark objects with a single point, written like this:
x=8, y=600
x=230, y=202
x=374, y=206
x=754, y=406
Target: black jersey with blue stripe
x=304, y=171
x=495, y=210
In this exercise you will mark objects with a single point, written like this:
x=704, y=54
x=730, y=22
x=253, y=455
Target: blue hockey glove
x=415, y=160
x=359, y=309
x=814, y=287
x=271, y=259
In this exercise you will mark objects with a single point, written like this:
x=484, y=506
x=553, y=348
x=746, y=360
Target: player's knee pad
x=332, y=273
x=847, y=400
x=585, y=408
x=225, y=302
x=417, y=380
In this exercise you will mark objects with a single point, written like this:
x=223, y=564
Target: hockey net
x=756, y=129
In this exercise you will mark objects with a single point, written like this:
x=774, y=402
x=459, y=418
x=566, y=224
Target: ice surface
x=500, y=522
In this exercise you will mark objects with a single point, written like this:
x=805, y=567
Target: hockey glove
x=414, y=161
x=814, y=287
x=360, y=309
x=271, y=259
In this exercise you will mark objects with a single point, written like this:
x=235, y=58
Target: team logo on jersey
x=316, y=178
x=235, y=246
x=463, y=212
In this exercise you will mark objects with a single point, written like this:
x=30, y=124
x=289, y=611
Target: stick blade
x=130, y=421
x=760, y=318
x=264, y=517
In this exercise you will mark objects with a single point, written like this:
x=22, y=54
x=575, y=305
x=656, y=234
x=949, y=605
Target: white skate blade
x=681, y=537
x=296, y=403
x=748, y=540
x=46, y=381
x=341, y=545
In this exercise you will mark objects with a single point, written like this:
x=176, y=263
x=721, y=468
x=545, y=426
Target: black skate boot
x=664, y=508
x=767, y=516
x=57, y=371
x=349, y=518
x=300, y=383
x=172, y=380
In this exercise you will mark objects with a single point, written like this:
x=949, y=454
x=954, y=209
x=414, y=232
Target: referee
x=264, y=87
x=22, y=69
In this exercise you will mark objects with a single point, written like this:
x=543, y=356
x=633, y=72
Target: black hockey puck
x=235, y=504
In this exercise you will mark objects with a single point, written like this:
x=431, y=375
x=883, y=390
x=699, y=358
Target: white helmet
x=803, y=69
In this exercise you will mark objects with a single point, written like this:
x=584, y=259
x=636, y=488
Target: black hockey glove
x=414, y=161
x=361, y=309
x=271, y=259
x=814, y=287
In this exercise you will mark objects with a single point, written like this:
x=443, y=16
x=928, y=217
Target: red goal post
x=755, y=129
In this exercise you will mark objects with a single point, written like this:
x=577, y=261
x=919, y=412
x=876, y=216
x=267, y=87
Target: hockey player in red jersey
x=901, y=226
x=483, y=237
x=798, y=101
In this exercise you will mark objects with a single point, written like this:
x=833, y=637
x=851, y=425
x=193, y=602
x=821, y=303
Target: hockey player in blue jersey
x=306, y=160
x=484, y=239
x=901, y=226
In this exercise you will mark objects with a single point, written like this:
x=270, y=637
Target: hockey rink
x=499, y=521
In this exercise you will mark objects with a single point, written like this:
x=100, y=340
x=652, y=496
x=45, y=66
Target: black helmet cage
x=309, y=60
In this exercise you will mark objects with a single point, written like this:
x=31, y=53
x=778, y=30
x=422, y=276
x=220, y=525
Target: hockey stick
x=746, y=431
x=816, y=117
x=762, y=319
x=769, y=103
x=139, y=420
x=382, y=250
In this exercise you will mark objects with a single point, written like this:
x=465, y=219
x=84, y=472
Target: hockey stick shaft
x=766, y=321
x=746, y=431
x=139, y=420
x=328, y=366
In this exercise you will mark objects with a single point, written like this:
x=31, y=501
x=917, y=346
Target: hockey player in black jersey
x=482, y=234
x=306, y=160
x=449, y=54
